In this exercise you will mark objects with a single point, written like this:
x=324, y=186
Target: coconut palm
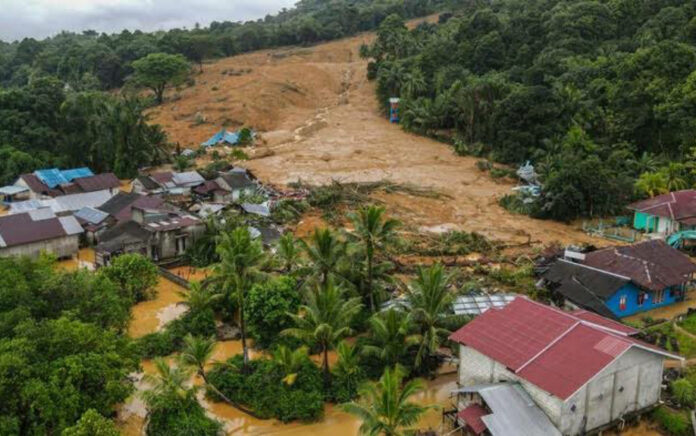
x=431, y=308
x=414, y=83
x=385, y=407
x=373, y=232
x=674, y=176
x=241, y=257
x=325, y=253
x=290, y=361
x=324, y=321
x=288, y=252
x=652, y=184
x=389, y=336
x=198, y=297
x=347, y=359
x=169, y=386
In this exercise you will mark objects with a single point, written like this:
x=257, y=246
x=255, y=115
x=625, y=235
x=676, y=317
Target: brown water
x=150, y=316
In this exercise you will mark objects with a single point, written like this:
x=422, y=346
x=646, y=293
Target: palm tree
x=389, y=336
x=373, y=232
x=198, y=298
x=348, y=359
x=324, y=320
x=384, y=406
x=325, y=252
x=414, y=83
x=196, y=354
x=431, y=308
x=674, y=175
x=652, y=184
x=241, y=256
x=169, y=387
x=288, y=252
x=290, y=361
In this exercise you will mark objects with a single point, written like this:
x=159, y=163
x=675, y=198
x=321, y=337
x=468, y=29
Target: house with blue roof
x=621, y=281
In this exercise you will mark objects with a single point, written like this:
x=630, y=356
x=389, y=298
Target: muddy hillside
x=319, y=120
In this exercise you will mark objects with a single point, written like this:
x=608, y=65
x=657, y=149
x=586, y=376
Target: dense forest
x=53, y=106
x=599, y=95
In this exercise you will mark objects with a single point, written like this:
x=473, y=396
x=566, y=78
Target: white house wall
x=65, y=246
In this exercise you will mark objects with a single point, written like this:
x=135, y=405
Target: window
x=658, y=297
x=622, y=303
x=642, y=296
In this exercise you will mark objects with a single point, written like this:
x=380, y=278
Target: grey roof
x=586, y=287
x=269, y=235
x=476, y=304
x=40, y=214
x=187, y=179
x=12, y=190
x=513, y=412
x=148, y=183
x=208, y=209
x=64, y=203
x=70, y=225
x=237, y=180
x=257, y=209
x=128, y=232
x=91, y=215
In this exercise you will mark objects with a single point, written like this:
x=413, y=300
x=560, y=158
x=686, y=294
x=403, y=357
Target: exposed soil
x=319, y=120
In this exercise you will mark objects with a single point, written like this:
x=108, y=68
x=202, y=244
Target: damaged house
x=530, y=369
x=159, y=234
x=622, y=281
x=167, y=182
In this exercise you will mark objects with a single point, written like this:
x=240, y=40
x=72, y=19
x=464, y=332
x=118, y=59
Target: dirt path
x=319, y=117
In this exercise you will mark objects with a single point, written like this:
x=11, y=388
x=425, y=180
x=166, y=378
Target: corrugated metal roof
x=476, y=304
x=98, y=182
x=261, y=209
x=43, y=213
x=513, y=412
x=12, y=190
x=187, y=179
x=64, y=203
x=70, y=225
x=24, y=206
x=91, y=215
x=76, y=173
x=472, y=415
x=554, y=350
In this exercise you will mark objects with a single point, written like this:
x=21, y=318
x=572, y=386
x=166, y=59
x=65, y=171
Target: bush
x=92, y=424
x=135, y=274
x=683, y=392
x=673, y=422
x=171, y=338
x=263, y=389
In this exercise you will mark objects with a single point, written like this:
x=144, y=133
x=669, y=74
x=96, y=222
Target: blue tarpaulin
x=223, y=136
x=53, y=177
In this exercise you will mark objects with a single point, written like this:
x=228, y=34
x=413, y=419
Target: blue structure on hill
x=53, y=177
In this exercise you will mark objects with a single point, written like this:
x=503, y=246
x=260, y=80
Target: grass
x=689, y=324
x=665, y=336
x=674, y=422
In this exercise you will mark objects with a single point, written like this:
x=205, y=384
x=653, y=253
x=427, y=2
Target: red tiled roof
x=601, y=321
x=472, y=414
x=98, y=182
x=651, y=264
x=557, y=351
x=678, y=205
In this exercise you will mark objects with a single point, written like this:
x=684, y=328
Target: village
x=612, y=328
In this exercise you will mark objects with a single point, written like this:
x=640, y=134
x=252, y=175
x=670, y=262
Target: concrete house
x=167, y=182
x=583, y=371
x=51, y=183
x=160, y=234
x=28, y=234
x=667, y=213
x=624, y=280
x=233, y=184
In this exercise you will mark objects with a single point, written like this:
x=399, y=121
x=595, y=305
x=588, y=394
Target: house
x=119, y=207
x=51, y=183
x=585, y=372
x=93, y=221
x=28, y=234
x=624, y=280
x=667, y=213
x=12, y=193
x=472, y=304
x=167, y=182
x=160, y=234
x=233, y=185
x=64, y=204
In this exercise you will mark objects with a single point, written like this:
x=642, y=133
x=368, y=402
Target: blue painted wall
x=631, y=292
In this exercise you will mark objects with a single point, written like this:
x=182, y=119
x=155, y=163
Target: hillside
x=319, y=117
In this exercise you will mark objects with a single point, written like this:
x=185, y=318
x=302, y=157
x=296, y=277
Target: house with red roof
x=667, y=213
x=585, y=372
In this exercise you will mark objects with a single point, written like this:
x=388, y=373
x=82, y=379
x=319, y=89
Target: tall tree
x=156, y=71
x=386, y=408
x=325, y=252
x=373, y=232
x=241, y=257
x=389, y=336
x=431, y=307
x=324, y=320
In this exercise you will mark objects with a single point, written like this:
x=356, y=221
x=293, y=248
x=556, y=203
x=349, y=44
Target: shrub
x=92, y=424
x=683, y=392
x=483, y=165
x=135, y=274
x=170, y=339
x=238, y=154
x=263, y=390
x=673, y=422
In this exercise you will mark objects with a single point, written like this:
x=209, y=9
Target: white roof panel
x=70, y=225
